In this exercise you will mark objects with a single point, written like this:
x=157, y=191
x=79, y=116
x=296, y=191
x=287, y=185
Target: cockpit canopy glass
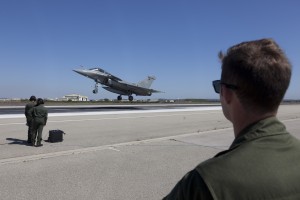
x=99, y=70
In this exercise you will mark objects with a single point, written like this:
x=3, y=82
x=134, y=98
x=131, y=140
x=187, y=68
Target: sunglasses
x=217, y=86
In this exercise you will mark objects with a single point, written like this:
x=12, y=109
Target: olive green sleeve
x=191, y=186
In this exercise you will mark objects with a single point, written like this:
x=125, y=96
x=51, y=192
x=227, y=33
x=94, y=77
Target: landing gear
x=95, y=91
x=130, y=98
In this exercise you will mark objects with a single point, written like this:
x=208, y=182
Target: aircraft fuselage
x=116, y=85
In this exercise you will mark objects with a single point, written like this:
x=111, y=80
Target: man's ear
x=227, y=94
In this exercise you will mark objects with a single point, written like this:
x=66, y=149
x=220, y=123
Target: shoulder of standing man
x=190, y=187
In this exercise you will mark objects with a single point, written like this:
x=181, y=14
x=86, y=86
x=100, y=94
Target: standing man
x=263, y=161
x=40, y=115
x=29, y=106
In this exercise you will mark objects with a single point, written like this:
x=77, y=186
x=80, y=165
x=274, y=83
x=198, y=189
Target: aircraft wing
x=140, y=90
x=156, y=91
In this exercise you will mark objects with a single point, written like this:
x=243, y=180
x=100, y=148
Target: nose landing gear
x=95, y=91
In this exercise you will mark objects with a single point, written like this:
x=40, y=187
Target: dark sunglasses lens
x=216, y=85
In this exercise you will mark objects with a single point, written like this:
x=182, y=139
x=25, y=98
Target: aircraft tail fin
x=147, y=82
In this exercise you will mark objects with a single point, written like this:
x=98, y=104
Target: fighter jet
x=116, y=85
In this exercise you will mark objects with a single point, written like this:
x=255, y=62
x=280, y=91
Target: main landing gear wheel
x=130, y=98
x=119, y=98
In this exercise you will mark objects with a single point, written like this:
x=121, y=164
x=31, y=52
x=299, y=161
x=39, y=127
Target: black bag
x=55, y=136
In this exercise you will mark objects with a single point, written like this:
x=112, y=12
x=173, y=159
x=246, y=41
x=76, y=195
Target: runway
x=107, y=110
x=19, y=110
x=115, y=154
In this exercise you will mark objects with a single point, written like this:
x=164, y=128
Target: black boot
x=39, y=144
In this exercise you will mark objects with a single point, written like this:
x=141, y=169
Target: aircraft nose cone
x=76, y=70
x=79, y=71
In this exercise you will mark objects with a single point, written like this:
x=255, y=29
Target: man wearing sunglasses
x=263, y=162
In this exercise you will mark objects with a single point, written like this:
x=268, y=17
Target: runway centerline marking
x=197, y=109
x=118, y=118
x=111, y=118
x=8, y=116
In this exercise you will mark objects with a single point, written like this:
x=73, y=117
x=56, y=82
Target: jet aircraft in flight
x=116, y=85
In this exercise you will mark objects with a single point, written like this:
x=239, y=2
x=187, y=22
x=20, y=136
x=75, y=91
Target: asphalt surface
x=123, y=155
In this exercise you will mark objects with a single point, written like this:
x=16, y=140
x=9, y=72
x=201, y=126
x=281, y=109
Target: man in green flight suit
x=40, y=116
x=263, y=162
x=29, y=106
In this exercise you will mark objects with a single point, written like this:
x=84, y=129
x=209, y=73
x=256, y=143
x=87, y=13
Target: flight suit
x=263, y=162
x=28, y=107
x=40, y=117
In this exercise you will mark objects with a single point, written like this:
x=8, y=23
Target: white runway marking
x=9, y=116
x=113, y=118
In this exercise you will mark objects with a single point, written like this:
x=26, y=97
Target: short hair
x=32, y=98
x=260, y=70
x=40, y=101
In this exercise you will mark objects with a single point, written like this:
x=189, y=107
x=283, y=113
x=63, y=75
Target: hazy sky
x=175, y=40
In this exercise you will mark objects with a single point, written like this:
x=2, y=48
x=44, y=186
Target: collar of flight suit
x=263, y=128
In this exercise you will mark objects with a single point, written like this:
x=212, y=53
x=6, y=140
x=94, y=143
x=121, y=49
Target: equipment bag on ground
x=55, y=136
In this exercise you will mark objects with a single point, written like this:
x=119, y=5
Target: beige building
x=74, y=97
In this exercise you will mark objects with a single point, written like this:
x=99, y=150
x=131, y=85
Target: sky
x=41, y=41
